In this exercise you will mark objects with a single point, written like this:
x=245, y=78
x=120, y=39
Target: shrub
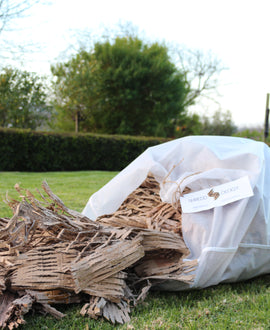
x=24, y=150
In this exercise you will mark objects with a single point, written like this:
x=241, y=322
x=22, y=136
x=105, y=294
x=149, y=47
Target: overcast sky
x=236, y=31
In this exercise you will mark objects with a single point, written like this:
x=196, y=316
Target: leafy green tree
x=122, y=87
x=189, y=125
x=22, y=100
x=203, y=70
x=220, y=124
x=75, y=92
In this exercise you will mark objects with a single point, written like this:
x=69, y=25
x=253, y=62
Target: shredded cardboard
x=50, y=254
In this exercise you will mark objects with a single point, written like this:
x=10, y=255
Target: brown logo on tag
x=213, y=194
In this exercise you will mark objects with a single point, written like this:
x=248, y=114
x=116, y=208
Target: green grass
x=74, y=188
x=242, y=305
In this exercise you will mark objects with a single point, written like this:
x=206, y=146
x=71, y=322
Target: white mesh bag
x=230, y=238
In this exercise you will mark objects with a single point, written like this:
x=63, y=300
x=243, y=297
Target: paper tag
x=223, y=194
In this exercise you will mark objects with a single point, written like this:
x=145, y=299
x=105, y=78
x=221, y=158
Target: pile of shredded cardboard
x=52, y=255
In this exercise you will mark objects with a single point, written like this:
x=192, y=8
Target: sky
x=235, y=31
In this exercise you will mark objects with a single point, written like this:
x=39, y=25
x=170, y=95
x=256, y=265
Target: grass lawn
x=242, y=305
x=74, y=188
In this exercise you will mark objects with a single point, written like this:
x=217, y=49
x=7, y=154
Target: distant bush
x=24, y=150
x=255, y=134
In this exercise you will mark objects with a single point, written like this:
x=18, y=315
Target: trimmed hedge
x=24, y=150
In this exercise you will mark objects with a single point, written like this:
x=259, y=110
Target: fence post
x=266, y=123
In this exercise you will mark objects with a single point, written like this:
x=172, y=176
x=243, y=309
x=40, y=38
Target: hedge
x=24, y=150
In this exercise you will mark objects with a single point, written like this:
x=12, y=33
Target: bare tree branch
x=11, y=11
x=202, y=71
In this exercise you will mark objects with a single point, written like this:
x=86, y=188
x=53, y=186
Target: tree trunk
x=77, y=122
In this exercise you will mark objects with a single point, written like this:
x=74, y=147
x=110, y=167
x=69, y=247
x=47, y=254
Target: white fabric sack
x=231, y=242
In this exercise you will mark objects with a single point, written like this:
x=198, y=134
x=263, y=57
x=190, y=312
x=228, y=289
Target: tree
x=220, y=124
x=189, y=125
x=122, y=87
x=202, y=71
x=75, y=91
x=22, y=100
